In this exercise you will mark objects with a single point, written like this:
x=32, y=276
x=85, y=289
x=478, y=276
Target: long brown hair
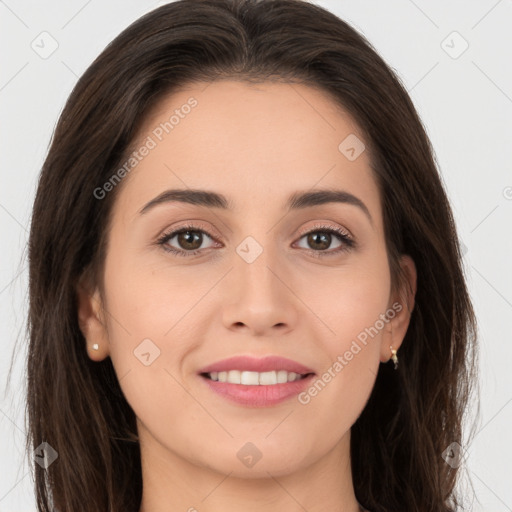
x=76, y=405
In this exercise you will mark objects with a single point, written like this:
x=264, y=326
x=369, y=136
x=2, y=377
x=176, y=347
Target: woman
x=246, y=289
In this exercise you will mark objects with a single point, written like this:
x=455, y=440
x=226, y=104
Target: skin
x=256, y=144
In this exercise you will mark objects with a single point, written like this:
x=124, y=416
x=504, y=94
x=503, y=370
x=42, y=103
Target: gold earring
x=394, y=356
x=95, y=346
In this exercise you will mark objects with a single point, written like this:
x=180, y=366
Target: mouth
x=256, y=382
x=250, y=378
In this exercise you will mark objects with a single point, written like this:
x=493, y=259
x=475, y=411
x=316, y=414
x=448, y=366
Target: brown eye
x=186, y=241
x=189, y=240
x=319, y=240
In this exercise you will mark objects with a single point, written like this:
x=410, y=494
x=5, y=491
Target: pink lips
x=258, y=395
x=251, y=364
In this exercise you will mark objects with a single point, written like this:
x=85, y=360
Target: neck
x=172, y=483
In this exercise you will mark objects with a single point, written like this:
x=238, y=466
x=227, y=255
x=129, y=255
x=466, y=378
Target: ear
x=400, y=309
x=91, y=319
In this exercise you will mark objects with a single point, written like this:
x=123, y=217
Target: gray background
x=464, y=97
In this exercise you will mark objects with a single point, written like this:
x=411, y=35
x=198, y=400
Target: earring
x=394, y=356
x=95, y=346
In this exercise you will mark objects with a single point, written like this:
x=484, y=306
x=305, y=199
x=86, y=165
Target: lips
x=257, y=396
x=260, y=365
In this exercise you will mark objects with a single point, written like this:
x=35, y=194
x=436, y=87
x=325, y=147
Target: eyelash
x=348, y=243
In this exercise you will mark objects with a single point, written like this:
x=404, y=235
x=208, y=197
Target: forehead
x=256, y=143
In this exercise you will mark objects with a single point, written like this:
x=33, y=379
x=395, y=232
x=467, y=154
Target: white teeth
x=255, y=378
x=293, y=376
x=282, y=376
x=249, y=378
x=234, y=376
x=267, y=378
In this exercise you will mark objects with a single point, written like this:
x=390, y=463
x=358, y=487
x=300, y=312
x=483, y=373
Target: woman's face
x=265, y=273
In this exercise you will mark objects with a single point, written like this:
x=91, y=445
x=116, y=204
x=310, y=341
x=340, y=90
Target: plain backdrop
x=454, y=59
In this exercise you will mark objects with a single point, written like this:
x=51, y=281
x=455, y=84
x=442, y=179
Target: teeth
x=282, y=376
x=247, y=378
x=255, y=378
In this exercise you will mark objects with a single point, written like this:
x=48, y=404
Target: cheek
x=354, y=313
x=149, y=334
x=351, y=301
x=149, y=321
x=355, y=307
x=149, y=300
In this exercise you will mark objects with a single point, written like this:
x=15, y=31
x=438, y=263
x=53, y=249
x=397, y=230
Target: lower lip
x=258, y=396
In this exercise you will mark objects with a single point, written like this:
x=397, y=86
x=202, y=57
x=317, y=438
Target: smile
x=247, y=378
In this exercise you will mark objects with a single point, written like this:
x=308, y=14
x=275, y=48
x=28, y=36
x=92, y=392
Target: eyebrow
x=297, y=201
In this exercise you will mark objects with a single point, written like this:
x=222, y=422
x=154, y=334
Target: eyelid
x=192, y=225
x=318, y=225
x=200, y=226
x=347, y=240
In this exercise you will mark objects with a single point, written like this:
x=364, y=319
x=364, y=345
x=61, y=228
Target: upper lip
x=255, y=364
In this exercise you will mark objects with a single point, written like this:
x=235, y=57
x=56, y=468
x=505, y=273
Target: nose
x=259, y=298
